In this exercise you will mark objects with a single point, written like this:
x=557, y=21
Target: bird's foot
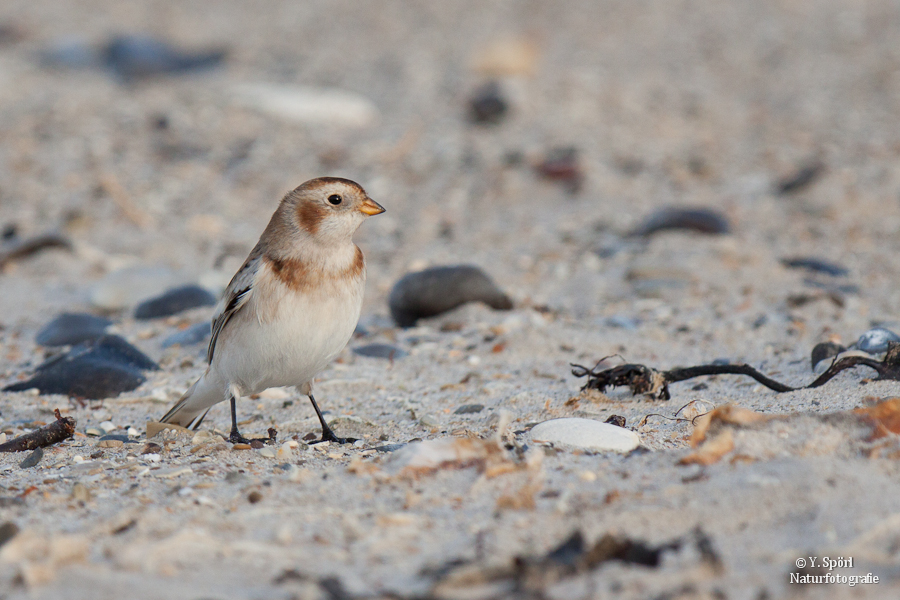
x=328, y=436
x=236, y=438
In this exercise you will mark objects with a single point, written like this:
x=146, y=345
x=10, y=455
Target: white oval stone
x=585, y=434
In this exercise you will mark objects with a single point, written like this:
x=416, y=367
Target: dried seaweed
x=641, y=379
x=61, y=429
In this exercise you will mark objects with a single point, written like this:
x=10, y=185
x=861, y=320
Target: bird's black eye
x=335, y=199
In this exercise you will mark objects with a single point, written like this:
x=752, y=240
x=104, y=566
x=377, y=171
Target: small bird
x=291, y=307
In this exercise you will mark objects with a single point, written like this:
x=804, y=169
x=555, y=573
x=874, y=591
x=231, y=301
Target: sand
x=691, y=103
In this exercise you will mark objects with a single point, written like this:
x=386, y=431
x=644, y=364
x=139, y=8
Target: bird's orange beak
x=370, y=207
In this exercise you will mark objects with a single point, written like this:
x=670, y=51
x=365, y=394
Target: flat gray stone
x=584, y=434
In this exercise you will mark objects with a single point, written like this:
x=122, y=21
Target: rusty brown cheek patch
x=297, y=275
x=310, y=216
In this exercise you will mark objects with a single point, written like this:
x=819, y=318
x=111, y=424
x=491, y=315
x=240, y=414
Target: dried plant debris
x=15, y=248
x=651, y=382
x=701, y=220
x=61, y=429
x=101, y=368
x=530, y=576
x=440, y=289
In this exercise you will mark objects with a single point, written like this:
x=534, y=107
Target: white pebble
x=585, y=434
x=108, y=426
x=267, y=452
x=77, y=459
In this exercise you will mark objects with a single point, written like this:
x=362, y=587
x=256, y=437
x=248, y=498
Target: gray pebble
x=487, y=105
x=875, y=340
x=816, y=265
x=381, y=351
x=469, y=409
x=701, y=220
x=439, y=289
x=622, y=322
x=103, y=368
x=174, y=301
x=72, y=328
x=8, y=531
x=388, y=447
x=118, y=437
x=195, y=334
x=825, y=350
x=32, y=459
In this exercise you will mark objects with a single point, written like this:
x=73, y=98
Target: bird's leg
x=235, y=437
x=327, y=433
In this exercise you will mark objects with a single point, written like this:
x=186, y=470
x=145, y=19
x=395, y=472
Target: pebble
x=816, y=265
x=132, y=57
x=129, y=57
x=584, y=434
x=110, y=443
x=701, y=220
x=254, y=497
x=3, y=438
x=72, y=328
x=151, y=448
x=32, y=459
x=108, y=426
x=174, y=301
x=504, y=56
x=469, y=409
x=93, y=431
x=562, y=165
x=116, y=437
x=103, y=368
x=309, y=105
x=267, y=452
x=195, y=334
x=440, y=289
x=170, y=473
x=241, y=447
x=875, y=341
x=803, y=177
x=126, y=287
x=617, y=420
x=8, y=531
x=386, y=351
x=285, y=452
x=487, y=106
x=825, y=350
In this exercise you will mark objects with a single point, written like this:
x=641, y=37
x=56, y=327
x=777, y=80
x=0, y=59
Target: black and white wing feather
x=236, y=296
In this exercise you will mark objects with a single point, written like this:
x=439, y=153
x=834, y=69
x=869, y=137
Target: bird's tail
x=193, y=405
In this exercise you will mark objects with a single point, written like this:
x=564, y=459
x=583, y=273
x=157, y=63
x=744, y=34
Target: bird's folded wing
x=236, y=296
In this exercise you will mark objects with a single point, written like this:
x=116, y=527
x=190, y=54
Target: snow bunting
x=292, y=306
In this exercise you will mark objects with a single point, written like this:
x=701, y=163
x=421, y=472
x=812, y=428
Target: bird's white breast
x=284, y=336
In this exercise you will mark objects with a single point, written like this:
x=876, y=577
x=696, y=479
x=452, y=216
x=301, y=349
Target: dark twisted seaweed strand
x=645, y=380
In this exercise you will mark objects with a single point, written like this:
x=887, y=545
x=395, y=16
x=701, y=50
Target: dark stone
x=195, y=334
x=174, y=301
x=102, y=368
x=825, y=350
x=72, y=328
x=469, y=409
x=487, y=105
x=617, y=420
x=381, y=351
x=701, y=220
x=816, y=265
x=116, y=436
x=440, y=289
x=800, y=179
x=132, y=57
x=32, y=459
x=8, y=531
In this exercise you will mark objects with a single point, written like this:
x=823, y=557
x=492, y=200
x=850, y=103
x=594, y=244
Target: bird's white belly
x=294, y=341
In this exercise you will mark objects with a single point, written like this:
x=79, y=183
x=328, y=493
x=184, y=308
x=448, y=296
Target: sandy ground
x=685, y=103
